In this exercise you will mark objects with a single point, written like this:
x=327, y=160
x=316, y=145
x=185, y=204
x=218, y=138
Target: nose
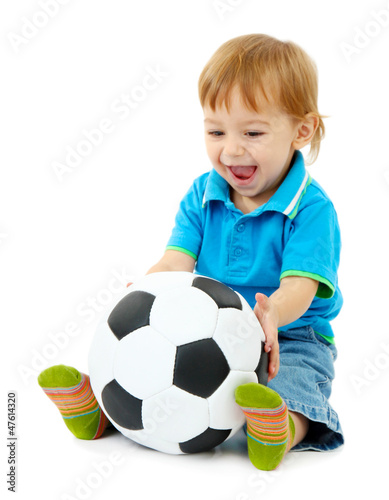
x=232, y=148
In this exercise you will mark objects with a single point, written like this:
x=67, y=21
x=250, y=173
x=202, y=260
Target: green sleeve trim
x=331, y=340
x=183, y=250
x=325, y=290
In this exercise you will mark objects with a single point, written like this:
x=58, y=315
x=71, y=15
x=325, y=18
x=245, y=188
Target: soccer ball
x=166, y=361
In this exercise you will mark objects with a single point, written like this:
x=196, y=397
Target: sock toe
x=59, y=376
x=255, y=395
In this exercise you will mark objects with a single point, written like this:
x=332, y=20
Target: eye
x=254, y=134
x=215, y=133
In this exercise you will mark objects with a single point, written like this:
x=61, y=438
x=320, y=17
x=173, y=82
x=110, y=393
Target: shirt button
x=241, y=228
x=238, y=251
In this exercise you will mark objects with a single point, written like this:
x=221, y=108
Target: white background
x=63, y=242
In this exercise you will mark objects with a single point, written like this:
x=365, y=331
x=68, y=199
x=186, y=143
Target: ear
x=305, y=130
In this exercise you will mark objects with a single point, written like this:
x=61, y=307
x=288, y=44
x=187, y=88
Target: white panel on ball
x=172, y=316
x=224, y=411
x=137, y=364
x=239, y=337
x=175, y=415
x=150, y=440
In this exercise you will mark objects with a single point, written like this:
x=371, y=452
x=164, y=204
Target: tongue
x=243, y=172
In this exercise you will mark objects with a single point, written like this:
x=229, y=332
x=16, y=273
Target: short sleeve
x=187, y=234
x=313, y=246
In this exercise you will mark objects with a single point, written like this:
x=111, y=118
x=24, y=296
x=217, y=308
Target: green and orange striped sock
x=72, y=394
x=270, y=429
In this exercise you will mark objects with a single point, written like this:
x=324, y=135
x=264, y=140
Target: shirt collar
x=286, y=199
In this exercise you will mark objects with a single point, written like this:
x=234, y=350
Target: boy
x=260, y=224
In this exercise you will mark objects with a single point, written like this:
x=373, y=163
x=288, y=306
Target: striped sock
x=72, y=394
x=270, y=429
x=268, y=426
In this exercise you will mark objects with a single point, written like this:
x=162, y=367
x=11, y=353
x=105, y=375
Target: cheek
x=270, y=149
x=212, y=150
x=259, y=152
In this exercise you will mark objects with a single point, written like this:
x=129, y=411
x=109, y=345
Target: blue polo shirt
x=296, y=233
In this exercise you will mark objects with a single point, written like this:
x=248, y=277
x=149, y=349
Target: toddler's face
x=251, y=151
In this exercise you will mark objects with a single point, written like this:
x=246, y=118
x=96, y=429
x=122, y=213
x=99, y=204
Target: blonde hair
x=261, y=66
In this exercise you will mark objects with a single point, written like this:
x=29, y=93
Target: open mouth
x=243, y=174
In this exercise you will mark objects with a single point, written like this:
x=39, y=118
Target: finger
x=262, y=301
x=129, y=284
x=261, y=306
x=274, y=361
x=271, y=339
x=272, y=372
x=258, y=312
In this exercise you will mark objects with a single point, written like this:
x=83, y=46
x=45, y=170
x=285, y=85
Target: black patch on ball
x=205, y=441
x=200, y=367
x=220, y=293
x=131, y=313
x=262, y=368
x=124, y=409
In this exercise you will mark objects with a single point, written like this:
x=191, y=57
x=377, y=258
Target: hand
x=267, y=314
x=129, y=284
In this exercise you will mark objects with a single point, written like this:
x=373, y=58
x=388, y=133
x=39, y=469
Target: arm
x=288, y=303
x=293, y=298
x=174, y=260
